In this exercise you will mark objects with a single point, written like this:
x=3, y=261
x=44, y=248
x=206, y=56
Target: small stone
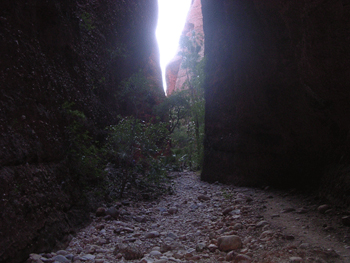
x=227, y=210
x=346, y=220
x=140, y=219
x=152, y=234
x=200, y=247
x=62, y=252
x=235, y=212
x=262, y=224
x=113, y=212
x=165, y=247
x=241, y=258
x=127, y=229
x=323, y=208
x=168, y=254
x=295, y=260
x=146, y=260
x=212, y=235
x=302, y=210
x=87, y=257
x=101, y=211
x=60, y=258
x=230, y=256
x=288, y=210
x=203, y=198
x=212, y=248
x=129, y=252
x=266, y=234
x=289, y=237
x=172, y=210
x=108, y=218
x=155, y=253
x=189, y=253
x=35, y=258
x=237, y=226
x=179, y=254
x=162, y=209
x=172, y=236
x=304, y=245
x=100, y=227
x=228, y=243
x=194, y=206
x=125, y=203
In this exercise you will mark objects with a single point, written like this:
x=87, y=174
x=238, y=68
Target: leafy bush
x=185, y=109
x=136, y=148
x=86, y=21
x=84, y=153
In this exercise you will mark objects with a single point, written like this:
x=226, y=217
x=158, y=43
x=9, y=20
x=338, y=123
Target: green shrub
x=136, y=149
x=86, y=21
x=84, y=153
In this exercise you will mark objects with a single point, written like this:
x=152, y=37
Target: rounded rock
x=152, y=234
x=228, y=243
x=113, y=212
x=323, y=208
x=241, y=258
x=61, y=259
x=101, y=211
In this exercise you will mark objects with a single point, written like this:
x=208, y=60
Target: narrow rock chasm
x=276, y=117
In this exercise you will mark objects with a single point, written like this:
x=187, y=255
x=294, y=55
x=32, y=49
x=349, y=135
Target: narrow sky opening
x=171, y=21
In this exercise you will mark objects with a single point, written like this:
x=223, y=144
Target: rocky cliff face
x=175, y=74
x=56, y=52
x=277, y=93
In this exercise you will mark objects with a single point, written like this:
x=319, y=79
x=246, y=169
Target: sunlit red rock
x=175, y=74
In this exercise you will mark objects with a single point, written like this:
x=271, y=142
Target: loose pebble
x=199, y=224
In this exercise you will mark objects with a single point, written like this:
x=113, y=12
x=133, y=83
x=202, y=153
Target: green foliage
x=135, y=148
x=190, y=48
x=84, y=154
x=86, y=21
x=120, y=51
x=186, y=108
x=227, y=194
x=174, y=108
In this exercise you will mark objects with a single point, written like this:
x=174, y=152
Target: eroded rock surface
x=56, y=53
x=277, y=97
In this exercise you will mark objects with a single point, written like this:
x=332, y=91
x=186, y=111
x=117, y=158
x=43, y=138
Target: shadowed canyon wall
x=52, y=53
x=277, y=94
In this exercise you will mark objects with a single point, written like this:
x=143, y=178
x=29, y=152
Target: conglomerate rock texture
x=52, y=53
x=277, y=94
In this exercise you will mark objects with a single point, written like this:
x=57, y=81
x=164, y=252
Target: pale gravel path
x=268, y=234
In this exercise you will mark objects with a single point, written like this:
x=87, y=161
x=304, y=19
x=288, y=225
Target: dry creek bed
x=204, y=222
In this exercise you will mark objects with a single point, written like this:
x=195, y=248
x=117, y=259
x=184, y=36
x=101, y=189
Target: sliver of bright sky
x=171, y=21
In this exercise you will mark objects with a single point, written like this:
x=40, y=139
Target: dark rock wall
x=52, y=52
x=277, y=92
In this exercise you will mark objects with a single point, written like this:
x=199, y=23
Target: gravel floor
x=204, y=222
